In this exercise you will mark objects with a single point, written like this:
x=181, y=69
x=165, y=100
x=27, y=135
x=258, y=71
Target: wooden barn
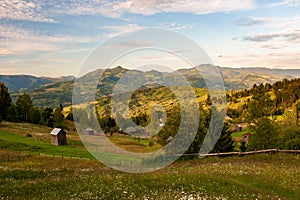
x=89, y=131
x=246, y=137
x=58, y=137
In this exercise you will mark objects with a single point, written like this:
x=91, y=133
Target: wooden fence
x=22, y=157
x=14, y=158
x=243, y=153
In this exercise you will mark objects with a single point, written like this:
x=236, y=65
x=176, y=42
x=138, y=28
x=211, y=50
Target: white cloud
x=116, y=9
x=23, y=10
x=151, y=7
x=269, y=22
x=16, y=40
x=291, y=3
x=285, y=60
x=112, y=31
x=273, y=40
x=40, y=10
x=176, y=26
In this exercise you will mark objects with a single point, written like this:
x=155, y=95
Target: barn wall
x=54, y=140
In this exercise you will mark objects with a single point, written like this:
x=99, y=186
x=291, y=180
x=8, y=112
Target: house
x=130, y=130
x=89, y=131
x=58, y=137
x=141, y=132
x=246, y=137
x=238, y=128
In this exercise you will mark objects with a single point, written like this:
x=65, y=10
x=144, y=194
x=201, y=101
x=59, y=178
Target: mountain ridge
x=51, y=92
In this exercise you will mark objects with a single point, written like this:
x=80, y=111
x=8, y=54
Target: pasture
x=261, y=176
x=271, y=176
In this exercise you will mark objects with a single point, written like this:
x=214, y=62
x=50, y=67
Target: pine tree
x=24, y=103
x=5, y=100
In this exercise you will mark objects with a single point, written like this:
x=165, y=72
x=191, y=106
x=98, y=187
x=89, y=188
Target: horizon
x=62, y=76
x=53, y=39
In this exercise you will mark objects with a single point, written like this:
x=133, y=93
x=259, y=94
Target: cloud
x=152, y=7
x=270, y=22
x=112, y=31
x=16, y=40
x=40, y=10
x=289, y=3
x=176, y=26
x=285, y=59
x=23, y=10
x=288, y=36
x=273, y=40
x=116, y=9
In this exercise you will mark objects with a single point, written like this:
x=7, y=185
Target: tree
x=225, y=142
x=34, y=115
x=243, y=146
x=202, y=130
x=47, y=114
x=260, y=108
x=12, y=114
x=265, y=135
x=58, y=118
x=5, y=100
x=261, y=105
x=24, y=103
x=70, y=116
x=289, y=137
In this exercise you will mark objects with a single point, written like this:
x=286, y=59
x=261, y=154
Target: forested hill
x=27, y=82
x=51, y=92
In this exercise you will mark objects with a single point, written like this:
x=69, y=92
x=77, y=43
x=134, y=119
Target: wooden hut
x=238, y=128
x=89, y=131
x=58, y=137
x=246, y=137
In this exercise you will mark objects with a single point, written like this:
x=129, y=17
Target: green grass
x=15, y=142
x=240, y=134
x=271, y=176
x=19, y=143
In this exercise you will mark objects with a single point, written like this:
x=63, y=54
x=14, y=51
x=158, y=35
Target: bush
x=151, y=144
x=243, y=146
x=293, y=144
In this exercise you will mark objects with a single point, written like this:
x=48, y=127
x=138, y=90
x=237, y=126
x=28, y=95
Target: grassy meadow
x=265, y=176
x=274, y=176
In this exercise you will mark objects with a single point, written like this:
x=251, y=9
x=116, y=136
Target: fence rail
x=22, y=157
x=14, y=158
x=242, y=153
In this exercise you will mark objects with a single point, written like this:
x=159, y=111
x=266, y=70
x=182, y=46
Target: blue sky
x=52, y=38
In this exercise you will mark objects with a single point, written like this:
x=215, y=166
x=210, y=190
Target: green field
x=19, y=143
x=265, y=176
x=274, y=176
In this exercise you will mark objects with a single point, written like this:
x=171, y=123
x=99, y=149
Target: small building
x=246, y=137
x=130, y=130
x=89, y=131
x=238, y=128
x=58, y=137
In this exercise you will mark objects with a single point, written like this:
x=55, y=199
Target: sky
x=53, y=38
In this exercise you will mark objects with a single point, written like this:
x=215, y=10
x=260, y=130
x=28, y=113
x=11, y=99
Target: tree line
x=261, y=111
x=23, y=110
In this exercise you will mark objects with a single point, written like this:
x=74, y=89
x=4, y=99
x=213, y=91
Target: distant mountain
x=239, y=78
x=51, y=92
x=25, y=82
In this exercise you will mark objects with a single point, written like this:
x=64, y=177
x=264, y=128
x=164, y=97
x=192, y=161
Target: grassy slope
x=15, y=142
x=249, y=177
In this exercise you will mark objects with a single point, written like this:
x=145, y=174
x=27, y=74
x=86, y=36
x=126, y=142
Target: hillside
x=26, y=82
x=241, y=78
x=51, y=94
